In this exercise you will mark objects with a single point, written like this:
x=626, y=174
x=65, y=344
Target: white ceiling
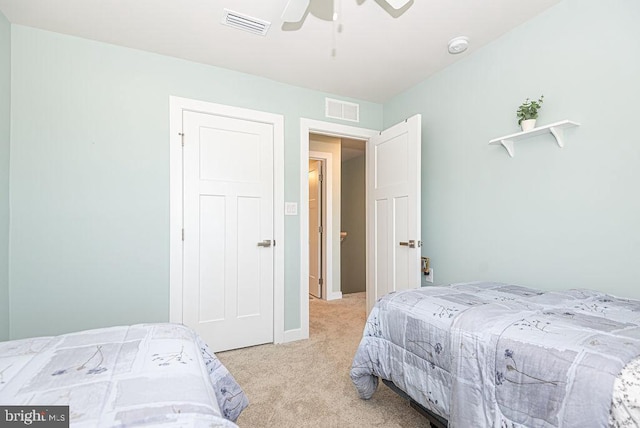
x=376, y=57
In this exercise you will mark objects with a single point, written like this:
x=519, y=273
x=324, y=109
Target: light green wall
x=353, y=215
x=90, y=177
x=5, y=127
x=89, y=165
x=550, y=218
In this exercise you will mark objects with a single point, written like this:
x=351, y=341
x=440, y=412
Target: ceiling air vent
x=245, y=22
x=344, y=110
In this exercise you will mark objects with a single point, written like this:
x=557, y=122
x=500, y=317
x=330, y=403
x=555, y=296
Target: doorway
x=336, y=216
x=316, y=227
x=324, y=131
x=392, y=219
x=328, y=150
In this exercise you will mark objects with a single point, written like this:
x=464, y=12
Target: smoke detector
x=458, y=45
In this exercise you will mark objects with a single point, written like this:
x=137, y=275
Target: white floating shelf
x=555, y=129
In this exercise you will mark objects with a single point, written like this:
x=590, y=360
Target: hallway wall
x=352, y=249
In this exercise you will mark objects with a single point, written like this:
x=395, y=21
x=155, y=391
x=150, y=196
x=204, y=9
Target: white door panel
x=402, y=256
x=381, y=250
x=393, y=209
x=228, y=210
x=211, y=301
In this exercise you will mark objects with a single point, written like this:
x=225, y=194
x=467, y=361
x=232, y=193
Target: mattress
x=146, y=374
x=489, y=354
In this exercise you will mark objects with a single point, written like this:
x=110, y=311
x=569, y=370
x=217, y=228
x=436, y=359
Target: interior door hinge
x=183, y=234
x=320, y=281
x=320, y=229
x=321, y=178
x=181, y=134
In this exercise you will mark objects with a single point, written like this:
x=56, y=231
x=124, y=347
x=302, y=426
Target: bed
x=145, y=374
x=499, y=355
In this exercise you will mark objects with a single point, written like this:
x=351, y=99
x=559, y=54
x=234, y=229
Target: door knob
x=410, y=244
x=265, y=243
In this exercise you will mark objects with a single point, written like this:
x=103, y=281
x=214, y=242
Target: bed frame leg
x=433, y=422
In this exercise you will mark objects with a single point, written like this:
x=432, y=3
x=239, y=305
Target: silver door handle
x=410, y=244
x=265, y=243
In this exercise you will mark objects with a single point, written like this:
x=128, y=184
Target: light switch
x=290, y=208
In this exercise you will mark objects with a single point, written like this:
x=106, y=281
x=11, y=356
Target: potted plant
x=528, y=113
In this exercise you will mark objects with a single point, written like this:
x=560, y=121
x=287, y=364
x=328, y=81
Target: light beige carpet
x=307, y=383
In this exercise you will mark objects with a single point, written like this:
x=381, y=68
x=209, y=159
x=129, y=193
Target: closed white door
x=315, y=224
x=393, y=210
x=228, y=230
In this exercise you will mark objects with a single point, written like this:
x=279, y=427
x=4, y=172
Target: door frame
x=310, y=126
x=177, y=105
x=326, y=160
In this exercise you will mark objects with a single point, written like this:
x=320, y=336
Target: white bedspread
x=625, y=406
x=497, y=355
x=157, y=374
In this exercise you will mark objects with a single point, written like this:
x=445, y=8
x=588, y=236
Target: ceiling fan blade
x=397, y=4
x=294, y=10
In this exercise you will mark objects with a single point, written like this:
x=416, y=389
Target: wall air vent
x=245, y=22
x=344, y=110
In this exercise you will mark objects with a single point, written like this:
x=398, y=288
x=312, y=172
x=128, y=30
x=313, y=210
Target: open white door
x=393, y=210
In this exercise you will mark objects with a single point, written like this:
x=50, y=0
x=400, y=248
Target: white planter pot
x=528, y=124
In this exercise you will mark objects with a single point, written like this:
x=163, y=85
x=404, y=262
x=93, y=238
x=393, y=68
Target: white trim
x=327, y=158
x=278, y=228
x=293, y=335
x=175, y=211
x=334, y=295
x=325, y=128
x=177, y=106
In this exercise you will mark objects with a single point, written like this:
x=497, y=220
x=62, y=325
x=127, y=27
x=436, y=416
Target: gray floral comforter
x=145, y=374
x=497, y=355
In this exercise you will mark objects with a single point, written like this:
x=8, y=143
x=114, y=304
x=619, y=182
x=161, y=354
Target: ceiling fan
x=295, y=10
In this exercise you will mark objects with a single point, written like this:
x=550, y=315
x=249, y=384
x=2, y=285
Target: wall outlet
x=428, y=279
x=290, y=208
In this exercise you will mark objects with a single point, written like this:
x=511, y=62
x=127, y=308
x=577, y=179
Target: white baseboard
x=293, y=335
x=334, y=295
